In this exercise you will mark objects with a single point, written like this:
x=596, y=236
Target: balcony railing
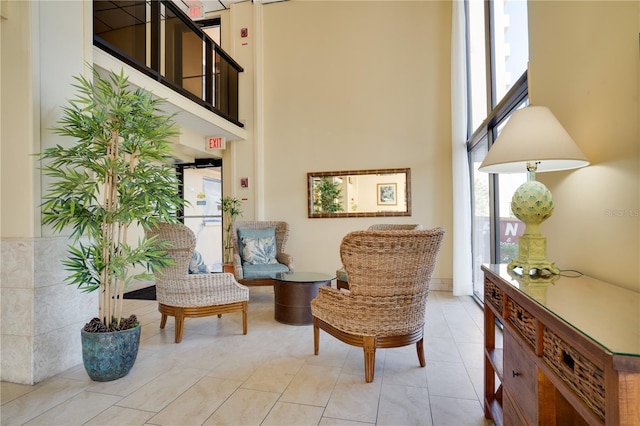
x=158, y=39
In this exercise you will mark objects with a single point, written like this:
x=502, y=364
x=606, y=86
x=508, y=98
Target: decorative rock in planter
x=110, y=356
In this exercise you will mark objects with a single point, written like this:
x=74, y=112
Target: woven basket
x=494, y=295
x=523, y=321
x=586, y=379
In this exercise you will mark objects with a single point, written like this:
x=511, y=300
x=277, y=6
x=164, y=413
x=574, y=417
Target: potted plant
x=230, y=208
x=116, y=175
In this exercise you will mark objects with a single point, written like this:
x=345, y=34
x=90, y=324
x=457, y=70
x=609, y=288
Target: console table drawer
x=511, y=414
x=494, y=295
x=584, y=377
x=520, y=376
x=523, y=321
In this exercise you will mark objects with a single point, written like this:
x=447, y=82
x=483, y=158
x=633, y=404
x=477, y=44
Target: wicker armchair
x=261, y=274
x=341, y=275
x=183, y=295
x=389, y=276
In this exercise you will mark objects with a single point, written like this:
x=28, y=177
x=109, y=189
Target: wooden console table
x=570, y=351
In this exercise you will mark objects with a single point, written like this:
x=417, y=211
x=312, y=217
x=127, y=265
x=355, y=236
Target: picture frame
x=387, y=194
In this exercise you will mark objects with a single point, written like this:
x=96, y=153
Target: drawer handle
x=568, y=359
x=515, y=374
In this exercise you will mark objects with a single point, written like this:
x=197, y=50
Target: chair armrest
x=285, y=259
x=334, y=307
x=237, y=267
x=334, y=294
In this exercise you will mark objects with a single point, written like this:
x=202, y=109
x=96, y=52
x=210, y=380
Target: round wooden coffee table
x=294, y=292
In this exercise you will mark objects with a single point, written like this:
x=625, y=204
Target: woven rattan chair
x=184, y=295
x=256, y=275
x=342, y=280
x=389, y=276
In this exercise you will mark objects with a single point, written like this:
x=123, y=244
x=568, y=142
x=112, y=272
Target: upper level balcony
x=165, y=52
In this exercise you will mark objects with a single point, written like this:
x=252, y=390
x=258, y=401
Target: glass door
x=202, y=188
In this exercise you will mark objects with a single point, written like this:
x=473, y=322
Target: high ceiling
x=216, y=5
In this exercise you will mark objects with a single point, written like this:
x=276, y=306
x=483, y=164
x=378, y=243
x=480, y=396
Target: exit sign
x=196, y=12
x=215, y=142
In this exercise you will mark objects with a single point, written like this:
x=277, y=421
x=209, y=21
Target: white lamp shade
x=533, y=134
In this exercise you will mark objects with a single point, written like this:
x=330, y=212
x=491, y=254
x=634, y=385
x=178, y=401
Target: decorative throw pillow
x=253, y=233
x=259, y=251
x=197, y=266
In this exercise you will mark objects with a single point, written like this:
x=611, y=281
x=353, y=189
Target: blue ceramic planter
x=110, y=356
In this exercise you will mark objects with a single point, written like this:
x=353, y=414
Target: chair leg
x=244, y=317
x=316, y=336
x=369, y=346
x=420, y=349
x=163, y=320
x=179, y=324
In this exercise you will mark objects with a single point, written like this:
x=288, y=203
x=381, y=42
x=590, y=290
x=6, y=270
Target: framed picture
x=387, y=194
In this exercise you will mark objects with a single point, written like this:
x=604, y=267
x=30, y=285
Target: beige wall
x=584, y=65
x=240, y=158
x=18, y=134
x=40, y=313
x=356, y=85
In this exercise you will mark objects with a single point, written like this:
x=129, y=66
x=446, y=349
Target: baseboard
x=441, y=284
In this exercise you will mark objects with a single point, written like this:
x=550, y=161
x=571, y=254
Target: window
x=497, y=76
x=510, y=44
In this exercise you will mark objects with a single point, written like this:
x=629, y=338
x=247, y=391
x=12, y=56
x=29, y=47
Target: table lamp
x=535, y=141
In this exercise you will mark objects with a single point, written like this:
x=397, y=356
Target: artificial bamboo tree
x=115, y=175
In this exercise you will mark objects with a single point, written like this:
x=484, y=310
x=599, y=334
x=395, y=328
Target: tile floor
x=217, y=376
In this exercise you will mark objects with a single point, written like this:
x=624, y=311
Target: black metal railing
x=158, y=39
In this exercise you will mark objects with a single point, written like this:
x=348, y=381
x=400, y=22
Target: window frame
x=518, y=94
x=498, y=112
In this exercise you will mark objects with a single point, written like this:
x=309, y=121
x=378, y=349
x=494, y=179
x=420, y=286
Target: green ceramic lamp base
x=532, y=204
x=532, y=256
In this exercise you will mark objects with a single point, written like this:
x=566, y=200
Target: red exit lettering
x=216, y=142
